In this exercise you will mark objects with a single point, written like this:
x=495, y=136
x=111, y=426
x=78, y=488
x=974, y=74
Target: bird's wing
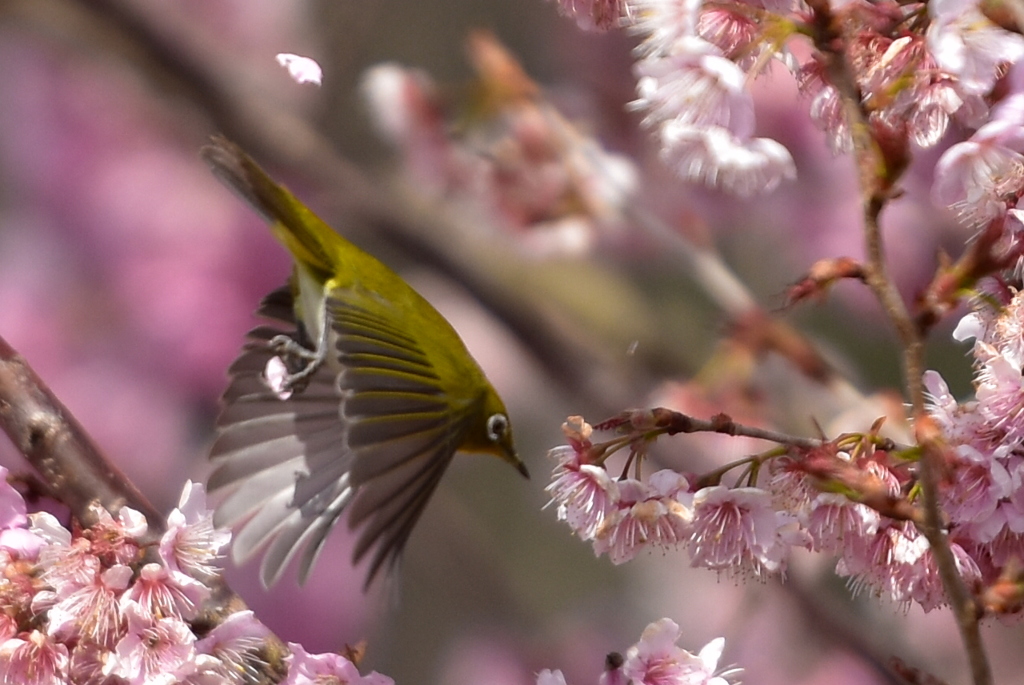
x=402, y=426
x=379, y=435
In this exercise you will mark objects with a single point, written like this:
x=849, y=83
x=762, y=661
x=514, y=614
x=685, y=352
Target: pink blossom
x=191, y=542
x=1005, y=332
x=15, y=537
x=737, y=528
x=316, y=669
x=837, y=525
x=233, y=642
x=931, y=102
x=165, y=593
x=826, y=107
x=734, y=33
x=925, y=96
x=21, y=542
x=115, y=541
x=960, y=422
x=68, y=568
x=914, y=575
x=8, y=624
x=1006, y=546
x=656, y=660
x=12, y=506
x=977, y=485
x=863, y=568
x=154, y=650
x=1000, y=394
x=34, y=660
x=982, y=177
x=47, y=527
x=92, y=610
x=584, y=494
x=90, y=665
x=791, y=488
x=641, y=518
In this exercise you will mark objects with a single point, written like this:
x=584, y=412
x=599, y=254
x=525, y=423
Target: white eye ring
x=497, y=426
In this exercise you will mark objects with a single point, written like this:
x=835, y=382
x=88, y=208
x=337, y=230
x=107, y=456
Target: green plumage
x=380, y=394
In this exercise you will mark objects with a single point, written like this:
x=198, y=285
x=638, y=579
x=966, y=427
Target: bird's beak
x=521, y=467
x=508, y=453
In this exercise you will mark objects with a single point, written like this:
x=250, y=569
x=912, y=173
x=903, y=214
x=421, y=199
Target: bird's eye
x=497, y=426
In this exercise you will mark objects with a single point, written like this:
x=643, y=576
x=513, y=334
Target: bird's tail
x=301, y=231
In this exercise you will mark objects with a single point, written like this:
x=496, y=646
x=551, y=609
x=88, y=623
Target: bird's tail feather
x=301, y=231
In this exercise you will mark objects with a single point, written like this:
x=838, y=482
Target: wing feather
x=392, y=504
x=372, y=432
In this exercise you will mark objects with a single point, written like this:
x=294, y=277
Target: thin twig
x=80, y=476
x=42, y=429
x=876, y=180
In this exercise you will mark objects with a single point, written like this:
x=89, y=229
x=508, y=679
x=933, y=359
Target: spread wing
x=373, y=431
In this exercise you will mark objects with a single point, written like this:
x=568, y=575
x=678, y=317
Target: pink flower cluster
x=657, y=660
x=983, y=493
x=916, y=66
x=982, y=178
x=733, y=530
x=91, y=606
x=749, y=528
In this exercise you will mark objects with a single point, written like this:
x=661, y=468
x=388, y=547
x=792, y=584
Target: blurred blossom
x=549, y=677
x=968, y=45
x=694, y=72
x=663, y=23
x=593, y=15
x=516, y=158
x=301, y=69
x=718, y=158
x=15, y=537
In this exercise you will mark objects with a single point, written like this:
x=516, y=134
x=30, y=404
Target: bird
x=354, y=397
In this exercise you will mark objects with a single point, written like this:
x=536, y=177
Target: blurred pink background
x=128, y=276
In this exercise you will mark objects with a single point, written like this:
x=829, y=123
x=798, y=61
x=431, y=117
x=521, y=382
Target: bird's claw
x=291, y=367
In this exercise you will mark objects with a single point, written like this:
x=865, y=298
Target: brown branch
x=57, y=446
x=880, y=162
x=78, y=475
x=980, y=259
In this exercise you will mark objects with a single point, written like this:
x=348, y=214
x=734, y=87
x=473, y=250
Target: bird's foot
x=291, y=367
